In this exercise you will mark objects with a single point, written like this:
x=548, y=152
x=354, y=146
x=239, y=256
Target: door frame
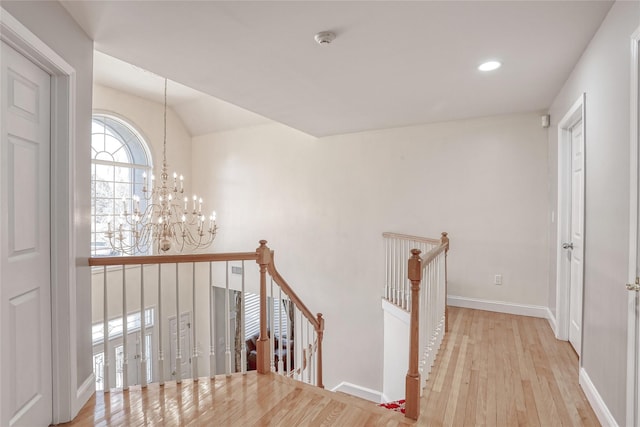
x=633, y=326
x=68, y=396
x=563, y=270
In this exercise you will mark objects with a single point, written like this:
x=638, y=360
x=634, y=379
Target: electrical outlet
x=498, y=280
x=236, y=270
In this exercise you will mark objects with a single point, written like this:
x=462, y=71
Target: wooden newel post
x=262, y=346
x=412, y=384
x=320, y=332
x=445, y=241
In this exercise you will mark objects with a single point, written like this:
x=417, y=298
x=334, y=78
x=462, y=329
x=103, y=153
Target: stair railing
x=308, y=332
x=397, y=251
x=290, y=336
x=424, y=295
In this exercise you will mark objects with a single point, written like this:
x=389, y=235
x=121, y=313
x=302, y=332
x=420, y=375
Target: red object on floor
x=397, y=406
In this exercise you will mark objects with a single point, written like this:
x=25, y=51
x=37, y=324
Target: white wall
x=603, y=73
x=396, y=352
x=323, y=204
x=52, y=24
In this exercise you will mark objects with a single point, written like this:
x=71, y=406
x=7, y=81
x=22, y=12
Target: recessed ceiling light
x=489, y=66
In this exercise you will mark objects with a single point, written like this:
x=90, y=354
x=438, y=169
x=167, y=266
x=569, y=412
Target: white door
x=633, y=339
x=185, y=346
x=25, y=287
x=576, y=246
x=132, y=359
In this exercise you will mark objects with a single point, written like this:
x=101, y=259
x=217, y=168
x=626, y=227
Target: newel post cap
x=445, y=239
x=415, y=266
x=264, y=253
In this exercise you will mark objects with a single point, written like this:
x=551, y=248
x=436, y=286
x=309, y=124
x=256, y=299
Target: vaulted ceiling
x=393, y=63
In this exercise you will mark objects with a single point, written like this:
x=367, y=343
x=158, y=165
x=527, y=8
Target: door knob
x=567, y=246
x=634, y=286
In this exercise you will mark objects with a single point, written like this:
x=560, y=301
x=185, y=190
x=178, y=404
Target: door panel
x=577, y=230
x=185, y=346
x=25, y=289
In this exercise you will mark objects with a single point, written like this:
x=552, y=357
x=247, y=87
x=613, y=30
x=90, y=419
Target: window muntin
x=119, y=159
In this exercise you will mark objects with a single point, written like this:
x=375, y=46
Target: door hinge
x=634, y=286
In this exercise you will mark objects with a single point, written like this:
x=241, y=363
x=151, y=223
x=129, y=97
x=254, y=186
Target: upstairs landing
x=239, y=400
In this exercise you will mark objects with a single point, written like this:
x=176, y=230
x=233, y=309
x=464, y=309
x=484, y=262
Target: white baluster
x=407, y=285
x=194, y=342
x=143, y=329
x=227, y=325
x=178, y=370
x=314, y=337
x=397, y=277
x=393, y=271
x=387, y=267
x=243, y=345
x=280, y=361
x=271, y=330
x=212, y=324
x=159, y=324
x=300, y=363
x=105, y=335
x=290, y=338
x=309, y=351
x=125, y=335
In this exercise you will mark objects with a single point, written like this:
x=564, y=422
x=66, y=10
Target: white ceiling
x=200, y=113
x=393, y=63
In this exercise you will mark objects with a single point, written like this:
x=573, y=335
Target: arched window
x=119, y=158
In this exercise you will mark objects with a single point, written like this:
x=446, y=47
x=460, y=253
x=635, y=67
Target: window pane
x=104, y=172
x=96, y=332
x=149, y=348
x=98, y=370
x=119, y=350
x=103, y=155
x=105, y=206
x=116, y=148
x=123, y=190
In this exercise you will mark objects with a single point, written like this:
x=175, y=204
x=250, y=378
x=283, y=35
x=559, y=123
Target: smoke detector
x=325, y=37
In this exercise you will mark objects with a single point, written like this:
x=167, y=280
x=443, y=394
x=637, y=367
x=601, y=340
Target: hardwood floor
x=492, y=370
x=240, y=400
x=503, y=370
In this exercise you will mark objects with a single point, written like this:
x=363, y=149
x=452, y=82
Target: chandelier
x=167, y=219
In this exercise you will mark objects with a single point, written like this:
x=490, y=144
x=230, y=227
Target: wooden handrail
x=316, y=321
x=443, y=245
x=412, y=238
x=172, y=259
x=277, y=277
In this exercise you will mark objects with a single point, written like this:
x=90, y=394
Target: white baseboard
x=361, y=392
x=552, y=322
x=498, y=306
x=84, y=393
x=598, y=405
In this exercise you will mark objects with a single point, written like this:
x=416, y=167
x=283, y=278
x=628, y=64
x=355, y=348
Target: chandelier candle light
x=164, y=222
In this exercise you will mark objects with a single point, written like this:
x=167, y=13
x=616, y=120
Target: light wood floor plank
x=494, y=370
x=525, y=376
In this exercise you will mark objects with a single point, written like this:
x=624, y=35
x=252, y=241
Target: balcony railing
x=185, y=292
